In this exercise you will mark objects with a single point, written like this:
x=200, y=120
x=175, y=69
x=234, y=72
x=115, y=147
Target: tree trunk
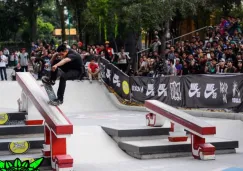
x=165, y=28
x=62, y=22
x=80, y=34
x=61, y=14
x=33, y=21
x=33, y=25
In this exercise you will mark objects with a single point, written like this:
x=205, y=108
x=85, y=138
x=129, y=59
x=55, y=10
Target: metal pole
x=69, y=28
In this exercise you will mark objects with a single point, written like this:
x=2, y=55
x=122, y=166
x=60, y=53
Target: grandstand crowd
x=221, y=51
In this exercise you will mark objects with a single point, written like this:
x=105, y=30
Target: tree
x=45, y=29
x=78, y=7
x=30, y=10
x=10, y=19
x=225, y=5
x=157, y=14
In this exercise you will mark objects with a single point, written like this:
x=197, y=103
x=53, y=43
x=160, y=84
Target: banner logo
x=116, y=80
x=19, y=165
x=210, y=91
x=137, y=89
x=125, y=87
x=3, y=118
x=102, y=73
x=108, y=74
x=150, y=90
x=236, y=93
x=19, y=147
x=175, y=91
x=194, y=90
x=162, y=90
x=224, y=90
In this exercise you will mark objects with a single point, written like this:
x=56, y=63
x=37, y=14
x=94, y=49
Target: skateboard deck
x=50, y=92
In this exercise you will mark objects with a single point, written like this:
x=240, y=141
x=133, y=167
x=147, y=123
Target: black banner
x=213, y=92
x=115, y=78
x=166, y=89
x=194, y=91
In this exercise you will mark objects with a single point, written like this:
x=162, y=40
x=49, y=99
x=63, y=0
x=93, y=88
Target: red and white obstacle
x=181, y=121
x=57, y=125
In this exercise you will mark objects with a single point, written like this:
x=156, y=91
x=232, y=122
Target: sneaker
x=90, y=81
x=56, y=102
x=47, y=80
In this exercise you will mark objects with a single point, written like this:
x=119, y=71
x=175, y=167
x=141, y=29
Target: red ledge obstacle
x=181, y=121
x=57, y=126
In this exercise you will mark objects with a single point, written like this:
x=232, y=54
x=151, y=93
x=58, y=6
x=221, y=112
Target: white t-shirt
x=121, y=60
x=3, y=61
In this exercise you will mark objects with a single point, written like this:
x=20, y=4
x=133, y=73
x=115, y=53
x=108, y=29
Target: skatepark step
x=120, y=133
x=135, y=132
x=21, y=144
x=14, y=118
x=21, y=129
x=154, y=149
x=152, y=143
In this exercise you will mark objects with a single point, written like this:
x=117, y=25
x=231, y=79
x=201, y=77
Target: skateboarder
x=70, y=63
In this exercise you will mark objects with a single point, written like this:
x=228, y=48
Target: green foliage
x=18, y=165
x=45, y=29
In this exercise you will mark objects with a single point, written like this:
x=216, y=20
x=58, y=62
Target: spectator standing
x=23, y=60
x=122, y=60
x=12, y=59
x=171, y=68
x=171, y=54
x=155, y=45
x=3, y=61
x=110, y=51
x=178, y=67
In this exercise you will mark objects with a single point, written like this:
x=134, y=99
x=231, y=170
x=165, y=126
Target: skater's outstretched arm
x=61, y=63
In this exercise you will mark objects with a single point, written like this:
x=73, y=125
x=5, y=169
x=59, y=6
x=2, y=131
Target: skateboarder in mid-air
x=70, y=64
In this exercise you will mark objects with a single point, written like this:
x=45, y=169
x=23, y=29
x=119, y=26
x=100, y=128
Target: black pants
x=3, y=72
x=64, y=76
x=24, y=68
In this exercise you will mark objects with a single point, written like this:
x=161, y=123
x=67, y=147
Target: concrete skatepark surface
x=88, y=107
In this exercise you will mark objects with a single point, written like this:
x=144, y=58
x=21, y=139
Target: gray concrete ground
x=88, y=107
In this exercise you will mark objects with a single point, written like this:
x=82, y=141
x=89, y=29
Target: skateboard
x=50, y=92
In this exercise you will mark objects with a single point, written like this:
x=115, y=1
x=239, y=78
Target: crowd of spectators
x=221, y=51
x=37, y=61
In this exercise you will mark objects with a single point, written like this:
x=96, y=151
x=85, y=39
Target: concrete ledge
x=196, y=113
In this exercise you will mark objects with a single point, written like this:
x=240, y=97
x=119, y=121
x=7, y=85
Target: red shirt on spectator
x=98, y=50
x=93, y=67
x=110, y=51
